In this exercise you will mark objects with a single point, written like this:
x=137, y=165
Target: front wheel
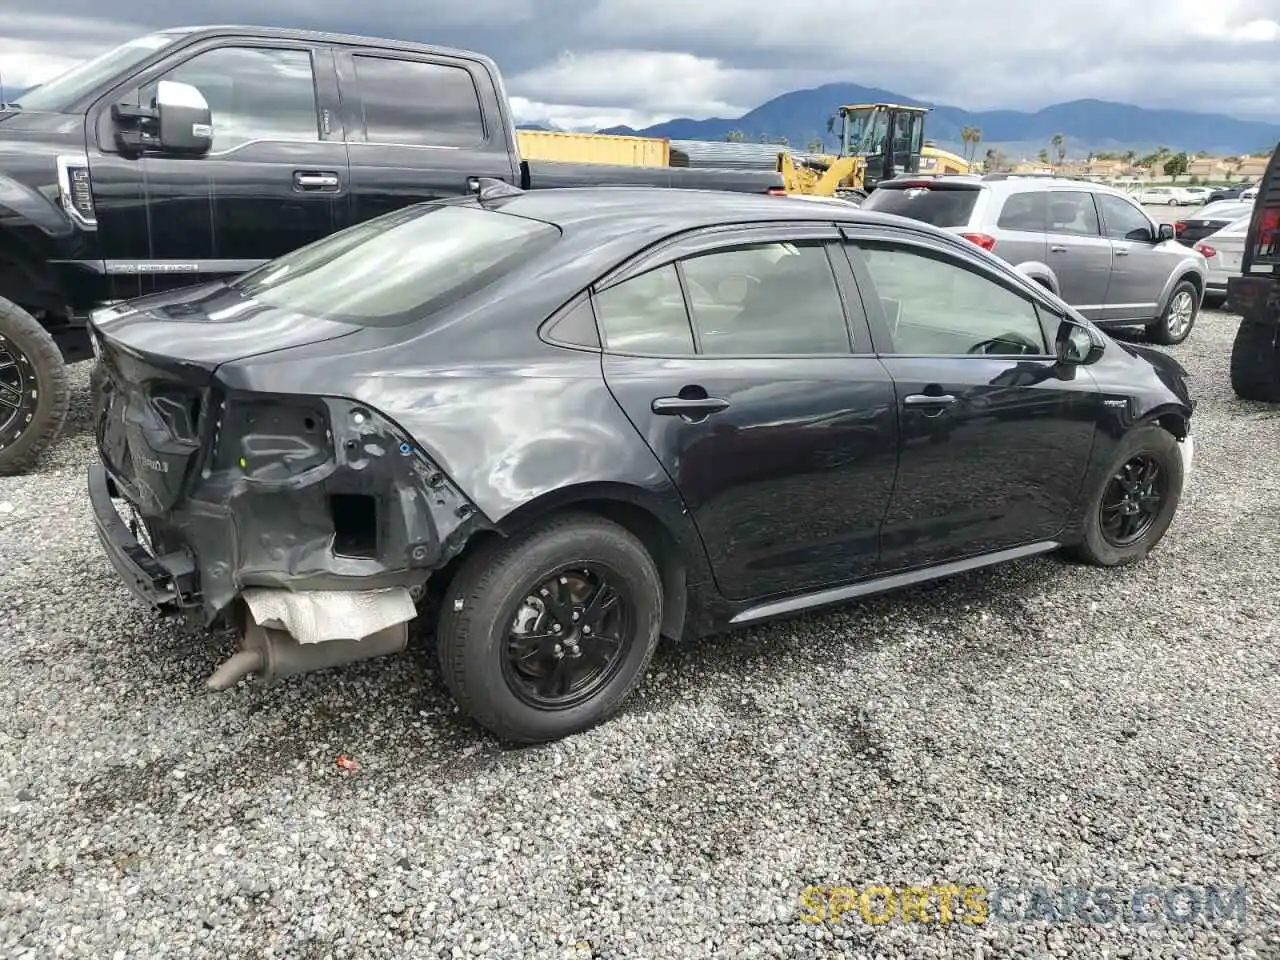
x=34, y=393
x=1179, y=315
x=546, y=635
x=1130, y=510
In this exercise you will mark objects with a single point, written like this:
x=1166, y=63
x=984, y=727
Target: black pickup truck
x=1255, y=295
x=197, y=153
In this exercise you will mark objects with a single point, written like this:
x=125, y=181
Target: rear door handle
x=688, y=406
x=929, y=400
x=322, y=180
x=1057, y=249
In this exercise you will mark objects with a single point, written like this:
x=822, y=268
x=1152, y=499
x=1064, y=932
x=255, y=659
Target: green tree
x=1059, y=147
x=1043, y=156
x=735, y=136
x=1176, y=165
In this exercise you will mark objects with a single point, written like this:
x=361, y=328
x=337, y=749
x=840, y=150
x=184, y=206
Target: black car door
x=732, y=355
x=275, y=178
x=995, y=435
x=419, y=127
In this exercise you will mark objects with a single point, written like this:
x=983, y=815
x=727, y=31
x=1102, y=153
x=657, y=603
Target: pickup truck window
x=254, y=93
x=440, y=255
x=68, y=87
x=417, y=103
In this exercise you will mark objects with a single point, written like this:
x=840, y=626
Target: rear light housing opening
x=1205, y=250
x=985, y=241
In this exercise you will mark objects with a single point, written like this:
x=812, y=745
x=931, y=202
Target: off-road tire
x=1094, y=548
x=1158, y=331
x=1255, y=361
x=43, y=365
x=489, y=588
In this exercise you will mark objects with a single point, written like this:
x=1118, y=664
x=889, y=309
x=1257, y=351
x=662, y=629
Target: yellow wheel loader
x=878, y=141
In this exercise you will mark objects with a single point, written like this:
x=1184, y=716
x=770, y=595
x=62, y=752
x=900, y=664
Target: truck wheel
x=545, y=635
x=34, y=394
x=1179, y=316
x=1255, y=361
x=1130, y=509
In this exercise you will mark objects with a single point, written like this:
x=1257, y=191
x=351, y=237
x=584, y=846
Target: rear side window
x=399, y=267
x=1025, y=211
x=942, y=208
x=417, y=103
x=1073, y=212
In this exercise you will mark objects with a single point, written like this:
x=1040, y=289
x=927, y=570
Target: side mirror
x=1166, y=232
x=1077, y=345
x=184, y=123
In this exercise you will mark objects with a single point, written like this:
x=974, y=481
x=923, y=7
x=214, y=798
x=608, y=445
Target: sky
x=585, y=64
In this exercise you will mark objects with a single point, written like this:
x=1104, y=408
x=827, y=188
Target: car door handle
x=315, y=180
x=688, y=406
x=929, y=400
x=1121, y=251
x=1057, y=249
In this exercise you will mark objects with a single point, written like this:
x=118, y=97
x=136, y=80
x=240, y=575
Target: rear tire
x=1179, y=315
x=518, y=613
x=1100, y=545
x=34, y=392
x=1255, y=361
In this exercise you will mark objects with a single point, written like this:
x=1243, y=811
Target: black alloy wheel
x=569, y=636
x=18, y=392
x=1132, y=500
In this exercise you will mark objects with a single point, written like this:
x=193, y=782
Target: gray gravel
x=1041, y=724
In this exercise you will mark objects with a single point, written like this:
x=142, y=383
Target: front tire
x=1130, y=509
x=1179, y=315
x=34, y=393
x=1255, y=361
x=546, y=635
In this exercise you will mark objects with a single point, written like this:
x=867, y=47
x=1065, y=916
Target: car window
x=646, y=314
x=1124, y=221
x=774, y=299
x=441, y=254
x=1025, y=211
x=935, y=305
x=944, y=207
x=1073, y=212
x=254, y=93
x=418, y=103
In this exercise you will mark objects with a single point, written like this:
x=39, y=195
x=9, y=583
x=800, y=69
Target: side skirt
x=836, y=595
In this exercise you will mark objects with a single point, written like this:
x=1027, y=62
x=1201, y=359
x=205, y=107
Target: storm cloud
x=583, y=63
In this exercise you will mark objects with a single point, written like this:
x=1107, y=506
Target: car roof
x=680, y=209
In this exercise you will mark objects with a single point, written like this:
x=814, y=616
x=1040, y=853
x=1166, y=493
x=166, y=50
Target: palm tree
x=1059, y=147
x=975, y=134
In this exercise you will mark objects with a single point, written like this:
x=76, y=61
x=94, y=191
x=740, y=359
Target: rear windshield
x=942, y=208
x=399, y=267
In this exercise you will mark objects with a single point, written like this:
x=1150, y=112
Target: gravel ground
x=1043, y=724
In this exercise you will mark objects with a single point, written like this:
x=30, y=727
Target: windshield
x=398, y=267
x=943, y=208
x=69, y=86
x=865, y=131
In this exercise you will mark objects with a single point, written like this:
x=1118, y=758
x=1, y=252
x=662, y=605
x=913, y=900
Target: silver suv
x=1090, y=244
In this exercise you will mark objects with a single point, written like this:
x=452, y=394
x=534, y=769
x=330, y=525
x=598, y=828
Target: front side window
x=254, y=93
x=399, y=267
x=418, y=103
x=1124, y=220
x=1073, y=212
x=938, y=306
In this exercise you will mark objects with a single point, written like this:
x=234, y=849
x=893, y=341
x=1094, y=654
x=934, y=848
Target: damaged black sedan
x=574, y=421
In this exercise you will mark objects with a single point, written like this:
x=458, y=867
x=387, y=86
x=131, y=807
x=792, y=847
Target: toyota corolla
x=567, y=423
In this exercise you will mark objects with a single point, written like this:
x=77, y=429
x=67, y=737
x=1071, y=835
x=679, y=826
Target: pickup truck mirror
x=183, y=120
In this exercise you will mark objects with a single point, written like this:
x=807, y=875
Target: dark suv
x=1090, y=244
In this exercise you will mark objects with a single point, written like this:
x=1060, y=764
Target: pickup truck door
x=419, y=127
x=274, y=180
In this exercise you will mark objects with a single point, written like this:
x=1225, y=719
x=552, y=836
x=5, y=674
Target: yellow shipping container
x=594, y=148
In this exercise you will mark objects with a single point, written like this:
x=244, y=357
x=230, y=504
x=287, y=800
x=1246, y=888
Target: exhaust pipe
x=273, y=654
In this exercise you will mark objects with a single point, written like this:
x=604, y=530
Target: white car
x=1223, y=253
x=1249, y=194
x=1167, y=196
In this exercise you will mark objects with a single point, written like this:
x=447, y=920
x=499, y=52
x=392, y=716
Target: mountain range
x=1089, y=126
